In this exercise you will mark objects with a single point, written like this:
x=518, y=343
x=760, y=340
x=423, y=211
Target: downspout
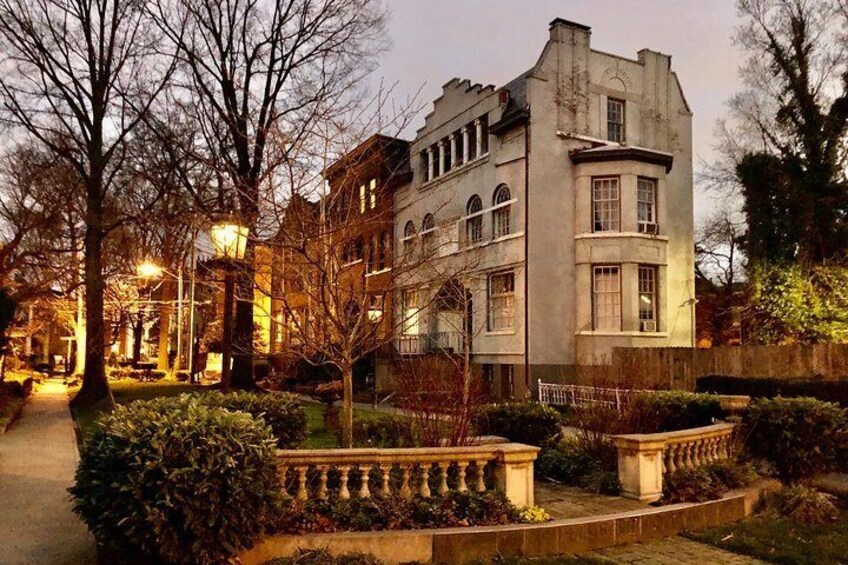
x=527, y=251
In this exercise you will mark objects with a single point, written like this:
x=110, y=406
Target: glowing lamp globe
x=149, y=270
x=229, y=237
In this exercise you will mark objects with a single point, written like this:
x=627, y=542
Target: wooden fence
x=680, y=367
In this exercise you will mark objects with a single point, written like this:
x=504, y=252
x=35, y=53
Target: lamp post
x=150, y=270
x=229, y=239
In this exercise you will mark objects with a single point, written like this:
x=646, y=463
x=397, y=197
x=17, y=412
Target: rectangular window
x=362, y=199
x=646, y=206
x=373, y=193
x=484, y=141
x=411, y=313
x=472, y=141
x=460, y=148
x=501, y=301
x=606, y=298
x=648, y=298
x=615, y=120
x=425, y=165
x=606, y=215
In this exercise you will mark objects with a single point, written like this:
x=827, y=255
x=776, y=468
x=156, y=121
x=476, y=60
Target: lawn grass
x=126, y=391
x=782, y=540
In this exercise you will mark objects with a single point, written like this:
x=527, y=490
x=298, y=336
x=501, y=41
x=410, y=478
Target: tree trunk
x=95, y=387
x=138, y=332
x=166, y=296
x=347, y=406
x=242, y=375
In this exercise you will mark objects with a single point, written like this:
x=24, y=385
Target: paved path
x=673, y=551
x=38, y=457
x=563, y=502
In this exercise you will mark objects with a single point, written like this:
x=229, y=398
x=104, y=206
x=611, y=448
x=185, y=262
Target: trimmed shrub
x=178, y=480
x=592, y=465
x=280, y=410
x=800, y=437
x=672, y=410
x=691, y=485
x=395, y=513
x=768, y=387
x=521, y=422
x=388, y=431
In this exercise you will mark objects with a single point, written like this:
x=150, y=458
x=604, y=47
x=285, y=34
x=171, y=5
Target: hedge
x=829, y=391
x=521, y=422
x=178, y=480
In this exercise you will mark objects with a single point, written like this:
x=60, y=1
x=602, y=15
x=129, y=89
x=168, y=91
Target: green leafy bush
x=280, y=410
x=395, y=513
x=521, y=422
x=668, y=411
x=388, y=431
x=800, y=437
x=178, y=480
x=592, y=465
x=691, y=485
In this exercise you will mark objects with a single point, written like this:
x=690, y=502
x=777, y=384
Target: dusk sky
x=492, y=41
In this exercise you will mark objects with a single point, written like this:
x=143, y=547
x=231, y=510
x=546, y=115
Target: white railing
x=428, y=343
x=346, y=473
x=578, y=395
x=645, y=459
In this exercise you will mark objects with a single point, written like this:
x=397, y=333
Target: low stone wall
x=460, y=545
x=644, y=459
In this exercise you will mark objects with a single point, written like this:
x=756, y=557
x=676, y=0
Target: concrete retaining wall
x=459, y=545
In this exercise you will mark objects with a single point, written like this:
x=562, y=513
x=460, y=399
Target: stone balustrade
x=346, y=473
x=643, y=459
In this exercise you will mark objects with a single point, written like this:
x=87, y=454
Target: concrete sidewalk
x=38, y=457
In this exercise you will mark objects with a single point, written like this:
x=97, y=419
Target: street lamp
x=149, y=270
x=229, y=239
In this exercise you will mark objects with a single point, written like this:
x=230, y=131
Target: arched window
x=501, y=213
x=474, y=221
x=409, y=236
x=428, y=233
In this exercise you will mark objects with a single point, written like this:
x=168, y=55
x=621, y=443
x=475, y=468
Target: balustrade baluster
x=344, y=493
x=443, y=477
x=322, y=483
x=670, y=467
x=424, y=489
x=481, y=483
x=696, y=452
x=364, y=491
x=282, y=471
x=405, y=491
x=687, y=454
x=461, y=486
x=385, y=470
x=301, y=483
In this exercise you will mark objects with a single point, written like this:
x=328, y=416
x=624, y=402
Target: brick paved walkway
x=564, y=502
x=38, y=457
x=673, y=551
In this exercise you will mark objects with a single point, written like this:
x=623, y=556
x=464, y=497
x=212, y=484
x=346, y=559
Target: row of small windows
x=461, y=146
x=606, y=205
x=501, y=224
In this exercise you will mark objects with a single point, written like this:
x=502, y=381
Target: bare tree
x=79, y=77
x=719, y=270
x=257, y=68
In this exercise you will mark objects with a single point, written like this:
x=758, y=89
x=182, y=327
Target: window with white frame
x=428, y=233
x=647, y=298
x=606, y=213
x=646, y=205
x=501, y=301
x=409, y=236
x=474, y=221
x=362, y=198
x=615, y=120
x=606, y=298
x=411, y=312
x=372, y=193
x=425, y=165
x=501, y=213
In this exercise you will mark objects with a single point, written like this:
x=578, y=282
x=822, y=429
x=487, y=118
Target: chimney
x=560, y=27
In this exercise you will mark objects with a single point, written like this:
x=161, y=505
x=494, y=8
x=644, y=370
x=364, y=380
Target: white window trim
x=489, y=209
x=380, y=272
x=351, y=263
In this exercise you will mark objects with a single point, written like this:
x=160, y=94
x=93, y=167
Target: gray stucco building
x=561, y=205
